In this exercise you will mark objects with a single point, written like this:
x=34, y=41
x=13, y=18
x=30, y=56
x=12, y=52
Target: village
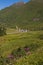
x=17, y=30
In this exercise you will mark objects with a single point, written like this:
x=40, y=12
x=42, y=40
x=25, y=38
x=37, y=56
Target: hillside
x=38, y=1
x=27, y=16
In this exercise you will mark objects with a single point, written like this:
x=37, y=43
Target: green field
x=34, y=40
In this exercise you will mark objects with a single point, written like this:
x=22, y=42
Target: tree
x=2, y=30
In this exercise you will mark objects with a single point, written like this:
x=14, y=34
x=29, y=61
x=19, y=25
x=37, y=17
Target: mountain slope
x=29, y=15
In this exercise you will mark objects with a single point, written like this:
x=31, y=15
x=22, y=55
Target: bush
x=18, y=52
x=2, y=31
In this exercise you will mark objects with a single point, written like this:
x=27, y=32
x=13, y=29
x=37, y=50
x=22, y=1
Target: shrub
x=2, y=31
x=18, y=52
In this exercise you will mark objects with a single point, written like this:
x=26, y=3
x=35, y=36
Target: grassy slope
x=10, y=42
x=23, y=16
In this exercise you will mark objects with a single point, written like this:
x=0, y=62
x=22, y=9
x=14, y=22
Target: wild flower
x=26, y=48
x=10, y=56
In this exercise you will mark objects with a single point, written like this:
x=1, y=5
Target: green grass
x=10, y=42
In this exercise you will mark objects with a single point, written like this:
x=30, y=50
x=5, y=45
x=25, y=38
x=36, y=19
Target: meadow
x=32, y=39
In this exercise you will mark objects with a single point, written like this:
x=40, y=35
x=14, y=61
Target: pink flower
x=27, y=49
x=10, y=56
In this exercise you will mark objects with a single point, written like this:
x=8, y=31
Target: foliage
x=2, y=31
x=16, y=44
x=28, y=16
x=18, y=53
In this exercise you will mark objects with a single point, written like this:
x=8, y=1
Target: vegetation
x=28, y=16
x=22, y=48
x=2, y=31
